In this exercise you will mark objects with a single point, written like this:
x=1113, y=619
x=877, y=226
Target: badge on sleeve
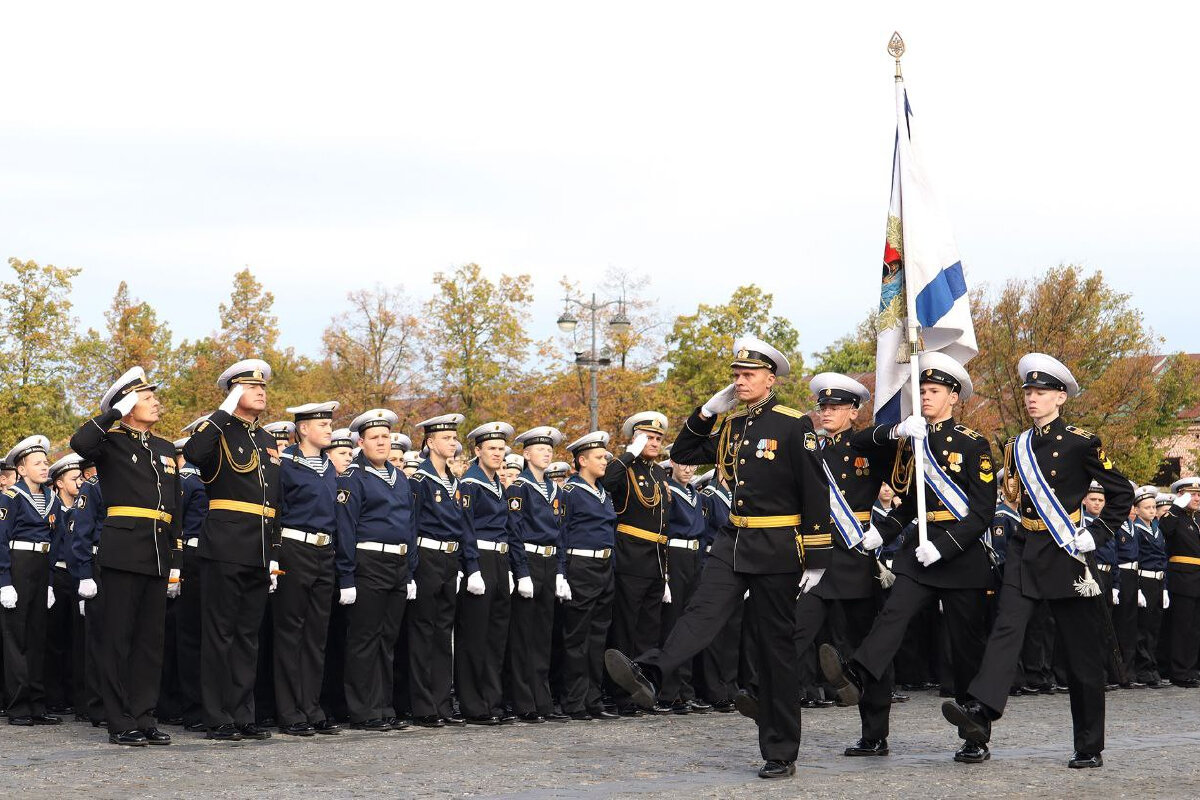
x=1105, y=461
x=3, y=513
x=343, y=496
x=810, y=442
x=514, y=504
x=466, y=501
x=985, y=469
x=80, y=502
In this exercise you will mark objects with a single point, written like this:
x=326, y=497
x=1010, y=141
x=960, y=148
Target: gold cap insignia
x=743, y=353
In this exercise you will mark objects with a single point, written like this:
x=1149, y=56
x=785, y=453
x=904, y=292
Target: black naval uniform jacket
x=1181, y=530
x=859, y=461
x=240, y=467
x=1070, y=459
x=140, y=484
x=779, y=515
x=967, y=458
x=640, y=497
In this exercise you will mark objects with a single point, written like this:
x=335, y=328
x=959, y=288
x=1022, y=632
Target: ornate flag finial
x=896, y=50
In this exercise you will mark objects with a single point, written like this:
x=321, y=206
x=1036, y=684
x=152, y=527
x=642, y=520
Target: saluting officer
x=239, y=547
x=484, y=609
x=139, y=551
x=1181, y=529
x=1152, y=566
x=951, y=568
x=779, y=527
x=641, y=498
x=376, y=559
x=1047, y=471
x=193, y=505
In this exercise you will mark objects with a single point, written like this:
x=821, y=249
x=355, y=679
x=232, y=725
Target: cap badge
x=1033, y=376
x=743, y=353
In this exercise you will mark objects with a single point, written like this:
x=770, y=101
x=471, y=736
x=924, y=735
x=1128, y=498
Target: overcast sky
x=332, y=146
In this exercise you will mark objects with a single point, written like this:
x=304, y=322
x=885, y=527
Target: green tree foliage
x=850, y=354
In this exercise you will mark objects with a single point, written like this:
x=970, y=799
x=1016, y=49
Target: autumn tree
x=850, y=354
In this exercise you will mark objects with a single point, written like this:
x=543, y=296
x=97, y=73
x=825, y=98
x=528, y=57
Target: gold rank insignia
x=1105, y=461
x=985, y=469
x=954, y=462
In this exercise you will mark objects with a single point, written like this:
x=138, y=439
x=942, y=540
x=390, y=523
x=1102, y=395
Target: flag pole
x=913, y=350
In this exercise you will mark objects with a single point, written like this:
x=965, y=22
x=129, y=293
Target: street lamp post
x=594, y=360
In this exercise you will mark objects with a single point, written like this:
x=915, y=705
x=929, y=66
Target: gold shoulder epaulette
x=965, y=430
x=788, y=411
x=10, y=493
x=1078, y=431
x=736, y=414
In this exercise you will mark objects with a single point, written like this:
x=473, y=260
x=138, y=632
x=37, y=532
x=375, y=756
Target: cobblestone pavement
x=1153, y=751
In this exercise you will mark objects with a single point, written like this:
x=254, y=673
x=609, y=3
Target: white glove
x=913, y=427
x=719, y=403
x=1116, y=597
x=271, y=570
x=666, y=593
x=1166, y=599
x=230, y=403
x=1141, y=599
x=347, y=596
x=525, y=587
x=475, y=583
x=1084, y=542
x=49, y=597
x=810, y=579
x=83, y=608
x=512, y=584
x=8, y=596
x=126, y=403
x=562, y=589
x=637, y=445
x=87, y=588
x=412, y=590
x=1182, y=500
x=173, y=584
x=871, y=540
x=928, y=554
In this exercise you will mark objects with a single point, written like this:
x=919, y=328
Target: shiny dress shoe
x=631, y=677
x=252, y=731
x=225, y=733
x=1137, y=685
x=746, y=704
x=327, y=727
x=777, y=769
x=486, y=719
x=430, y=721
x=378, y=725
x=581, y=716
x=23, y=720
x=816, y=702
x=508, y=718
x=841, y=675
x=533, y=718
x=297, y=729
x=680, y=707
x=724, y=706
x=195, y=727
x=698, y=706
x=660, y=708
x=630, y=711
x=897, y=697
x=601, y=713
x=1085, y=761
x=46, y=719
x=1187, y=683
x=973, y=721
x=455, y=720
x=134, y=738
x=155, y=736
x=397, y=723
x=868, y=747
x=555, y=716
x=972, y=753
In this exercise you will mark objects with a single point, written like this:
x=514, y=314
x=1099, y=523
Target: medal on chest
x=766, y=449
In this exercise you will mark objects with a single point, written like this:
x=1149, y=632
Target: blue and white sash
x=841, y=513
x=1058, y=521
x=949, y=492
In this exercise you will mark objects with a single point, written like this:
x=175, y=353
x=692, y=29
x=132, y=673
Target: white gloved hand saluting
x=1182, y=500
x=913, y=427
x=87, y=588
x=562, y=589
x=347, y=596
x=8, y=596
x=273, y=574
x=638, y=444
x=810, y=579
x=525, y=587
x=126, y=403
x=475, y=583
x=49, y=597
x=1084, y=542
x=230, y=403
x=719, y=403
x=1141, y=599
x=412, y=590
x=928, y=554
x=871, y=540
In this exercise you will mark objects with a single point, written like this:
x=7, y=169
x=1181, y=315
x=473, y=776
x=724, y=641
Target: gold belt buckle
x=323, y=539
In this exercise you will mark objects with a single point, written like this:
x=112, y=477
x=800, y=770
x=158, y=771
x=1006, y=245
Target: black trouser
x=187, y=638
x=586, y=619
x=333, y=680
x=93, y=648
x=373, y=625
x=264, y=666
x=963, y=611
x=79, y=658
x=135, y=608
x=170, y=702
x=1125, y=620
x=1037, y=651
x=1185, y=636
x=683, y=580
x=719, y=661
x=1104, y=577
x=1080, y=625
x=1145, y=665
x=24, y=630
x=235, y=599
x=772, y=613
x=480, y=638
x=531, y=632
x=858, y=615
x=60, y=659
x=637, y=616
x=301, y=622
x=430, y=622
x=915, y=660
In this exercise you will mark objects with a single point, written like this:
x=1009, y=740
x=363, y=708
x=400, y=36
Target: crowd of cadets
x=297, y=577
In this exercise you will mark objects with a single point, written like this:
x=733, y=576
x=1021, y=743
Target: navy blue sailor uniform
x=138, y=549
x=377, y=555
x=720, y=661
x=194, y=507
x=440, y=524
x=61, y=662
x=589, y=524
x=1152, y=570
x=685, y=552
x=1181, y=531
x=29, y=522
x=534, y=525
x=1125, y=609
x=83, y=546
x=483, y=620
